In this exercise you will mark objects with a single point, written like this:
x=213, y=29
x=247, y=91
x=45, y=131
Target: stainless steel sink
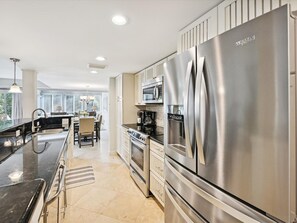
x=50, y=131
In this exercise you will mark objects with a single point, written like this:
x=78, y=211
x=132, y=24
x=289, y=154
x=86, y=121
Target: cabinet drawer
x=124, y=131
x=157, y=148
x=157, y=188
x=125, y=142
x=157, y=164
x=126, y=156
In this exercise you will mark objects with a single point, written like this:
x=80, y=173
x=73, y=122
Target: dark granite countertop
x=156, y=133
x=19, y=208
x=37, y=159
x=9, y=124
x=61, y=116
x=33, y=161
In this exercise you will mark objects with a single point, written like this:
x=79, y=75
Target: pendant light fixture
x=14, y=87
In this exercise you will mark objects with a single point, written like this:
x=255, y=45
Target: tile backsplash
x=160, y=113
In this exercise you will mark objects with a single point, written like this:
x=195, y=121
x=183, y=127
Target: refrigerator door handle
x=188, y=135
x=211, y=199
x=200, y=126
x=177, y=207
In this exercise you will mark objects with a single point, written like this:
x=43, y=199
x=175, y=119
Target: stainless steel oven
x=139, y=160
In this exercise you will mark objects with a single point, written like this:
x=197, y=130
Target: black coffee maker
x=149, y=118
x=140, y=117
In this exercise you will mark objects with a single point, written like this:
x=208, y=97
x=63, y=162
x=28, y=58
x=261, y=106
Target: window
x=57, y=103
x=68, y=101
x=69, y=104
x=5, y=106
x=47, y=103
x=78, y=104
x=97, y=103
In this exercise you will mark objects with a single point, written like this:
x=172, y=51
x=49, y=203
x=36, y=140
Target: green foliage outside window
x=5, y=104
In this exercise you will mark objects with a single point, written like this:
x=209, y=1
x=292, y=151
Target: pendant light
x=14, y=87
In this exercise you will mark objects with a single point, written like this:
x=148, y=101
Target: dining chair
x=98, y=126
x=92, y=113
x=86, y=129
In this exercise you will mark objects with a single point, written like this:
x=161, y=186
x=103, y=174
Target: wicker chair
x=86, y=129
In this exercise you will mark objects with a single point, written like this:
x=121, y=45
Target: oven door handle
x=142, y=146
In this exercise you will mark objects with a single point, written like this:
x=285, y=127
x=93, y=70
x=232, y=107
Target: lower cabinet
x=124, y=150
x=157, y=180
x=157, y=187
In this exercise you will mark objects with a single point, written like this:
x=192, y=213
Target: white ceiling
x=58, y=38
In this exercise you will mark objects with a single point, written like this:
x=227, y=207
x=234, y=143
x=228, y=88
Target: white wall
x=112, y=114
x=29, y=92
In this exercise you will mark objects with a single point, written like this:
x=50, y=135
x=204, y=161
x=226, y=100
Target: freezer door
x=190, y=199
x=242, y=112
x=179, y=83
x=177, y=210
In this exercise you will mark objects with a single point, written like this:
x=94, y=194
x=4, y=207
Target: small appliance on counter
x=140, y=117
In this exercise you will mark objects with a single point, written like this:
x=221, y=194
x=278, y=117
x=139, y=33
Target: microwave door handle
x=156, y=93
x=188, y=130
x=201, y=94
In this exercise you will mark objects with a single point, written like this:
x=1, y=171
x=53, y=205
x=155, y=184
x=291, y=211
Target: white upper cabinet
x=159, y=68
x=149, y=73
x=232, y=13
x=201, y=30
x=154, y=71
x=139, y=80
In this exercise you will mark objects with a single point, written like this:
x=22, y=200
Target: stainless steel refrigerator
x=230, y=137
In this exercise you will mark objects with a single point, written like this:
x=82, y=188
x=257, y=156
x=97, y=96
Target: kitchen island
x=28, y=172
x=18, y=201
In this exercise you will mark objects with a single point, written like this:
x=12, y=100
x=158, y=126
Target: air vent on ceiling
x=96, y=66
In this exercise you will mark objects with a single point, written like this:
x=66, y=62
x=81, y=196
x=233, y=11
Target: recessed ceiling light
x=100, y=58
x=94, y=72
x=119, y=20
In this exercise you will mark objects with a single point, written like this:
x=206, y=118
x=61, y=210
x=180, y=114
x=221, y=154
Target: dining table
x=97, y=124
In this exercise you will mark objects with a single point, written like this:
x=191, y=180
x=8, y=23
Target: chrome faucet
x=33, y=126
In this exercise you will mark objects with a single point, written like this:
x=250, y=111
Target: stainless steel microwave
x=152, y=91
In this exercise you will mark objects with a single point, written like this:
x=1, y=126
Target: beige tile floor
x=113, y=198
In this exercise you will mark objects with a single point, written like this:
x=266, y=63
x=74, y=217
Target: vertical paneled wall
x=227, y=15
x=199, y=31
x=232, y=13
